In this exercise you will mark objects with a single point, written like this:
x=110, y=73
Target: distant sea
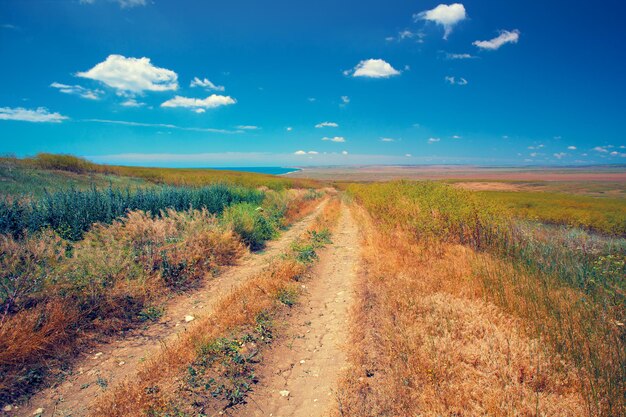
x=260, y=170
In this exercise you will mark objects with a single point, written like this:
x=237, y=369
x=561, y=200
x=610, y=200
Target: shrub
x=248, y=221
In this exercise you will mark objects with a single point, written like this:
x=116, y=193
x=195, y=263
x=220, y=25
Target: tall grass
x=72, y=212
x=567, y=286
x=56, y=293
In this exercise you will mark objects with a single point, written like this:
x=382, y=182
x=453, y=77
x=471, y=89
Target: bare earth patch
x=298, y=375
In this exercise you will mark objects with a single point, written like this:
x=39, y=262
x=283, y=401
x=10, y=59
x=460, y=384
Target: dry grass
x=56, y=297
x=425, y=341
x=162, y=386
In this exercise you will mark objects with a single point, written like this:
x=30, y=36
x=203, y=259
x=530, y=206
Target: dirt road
x=297, y=376
x=103, y=366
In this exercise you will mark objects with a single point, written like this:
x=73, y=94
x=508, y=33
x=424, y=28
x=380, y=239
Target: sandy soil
x=298, y=375
x=489, y=186
x=106, y=364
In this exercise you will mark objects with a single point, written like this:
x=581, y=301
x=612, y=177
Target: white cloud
x=132, y=75
x=600, y=149
x=345, y=100
x=123, y=3
x=456, y=137
x=571, y=148
x=306, y=153
x=248, y=127
x=162, y=125
x=534, y=154
x=407, y=34
x=373, y=68
x=312, y=152
x=456, y=81
x=387, y=140
x=445, y=15
x=78, y=90
x=344, y=152
x=433, y=140
x=312, y=99
x=289, y=128
x=210, y=102
x=39, y=115
x=326, y=124
x=560, y=155
x=200, y=110
x=495, y=43
x=340, y=139
x=408, y=155
x=459, y=56
x=206, y=84
x=299, y=153
x=131, y=102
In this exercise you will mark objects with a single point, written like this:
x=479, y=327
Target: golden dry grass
x=426, y=341
x=159, y=386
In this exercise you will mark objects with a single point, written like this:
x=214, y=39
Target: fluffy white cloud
x=340, y=139
x=408, y=155
x=456, y=137
x=345, y=100
x=299, y=153
x=289, y=128
x=198, y=104
x=433, y=140
x=248, y=127
x=313, y=152
x=560, y=155
x=601, y=149
x=132, y=75
x=206, y=84
x=444, y=15
x=326, y=124
x=39, y=115
x=456, y=81
x=387, y=140
x=344, y=152
x=373, y=68
x=571, y=148
x=495, y=43
x=78, y=90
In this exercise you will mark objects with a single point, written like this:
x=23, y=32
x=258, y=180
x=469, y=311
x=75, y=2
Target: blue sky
x=289, y=82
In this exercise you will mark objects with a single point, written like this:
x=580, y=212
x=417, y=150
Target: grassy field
x=606, y=215
x=79, y=264
x=565, y=287
x=54, y=172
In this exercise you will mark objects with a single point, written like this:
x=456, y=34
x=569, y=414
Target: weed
x=287, y=296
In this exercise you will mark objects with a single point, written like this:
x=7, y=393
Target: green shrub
x=249, y=222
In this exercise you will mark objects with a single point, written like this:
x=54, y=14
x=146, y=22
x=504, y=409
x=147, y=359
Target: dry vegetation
x=212, y=366
x=463, y=312
x=57, y=295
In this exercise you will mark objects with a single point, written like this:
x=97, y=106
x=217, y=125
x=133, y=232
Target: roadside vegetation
x=436, y=253
x=76, y=266
x=212, y=367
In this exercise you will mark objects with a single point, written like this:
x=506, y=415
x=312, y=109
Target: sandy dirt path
x=298, y=374
x=106, y=364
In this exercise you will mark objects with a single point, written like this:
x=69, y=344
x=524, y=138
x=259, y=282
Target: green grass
x=66, y=170
x=606, y=215
x=17, y=179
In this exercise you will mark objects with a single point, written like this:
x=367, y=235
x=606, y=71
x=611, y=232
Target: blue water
x=260, y=170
